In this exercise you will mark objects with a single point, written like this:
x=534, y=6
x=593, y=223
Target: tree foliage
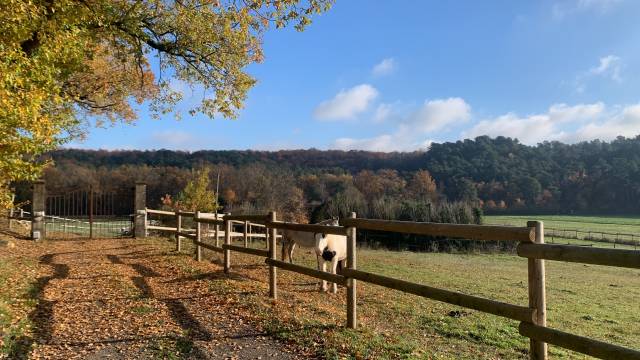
x=197, y=195
x=500, y=174
x=63, y=62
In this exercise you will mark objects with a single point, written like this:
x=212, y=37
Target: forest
x=496, y=175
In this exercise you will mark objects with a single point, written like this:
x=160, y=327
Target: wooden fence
x=617, y=238
x=531, y=245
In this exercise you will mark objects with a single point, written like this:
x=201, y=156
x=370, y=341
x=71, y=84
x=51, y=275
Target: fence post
x=217, y=233
x=178, y=230
x=227, y=240
x=140, y=203
x=352, y=320
x=537, y=294
x=38, y=227
x=9, y=216
x=90, y=211
x=273, y=283
x=246, y=234
x=196, y=217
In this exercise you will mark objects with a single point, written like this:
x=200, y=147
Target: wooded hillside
x=501, y=174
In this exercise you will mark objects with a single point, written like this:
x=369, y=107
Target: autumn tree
x=422, y=186
x=69, y=64
x=369, y=184
x=197, y=196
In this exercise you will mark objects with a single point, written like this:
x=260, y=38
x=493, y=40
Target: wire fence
x=590, y=238
x=60, y=227
x=100, y=227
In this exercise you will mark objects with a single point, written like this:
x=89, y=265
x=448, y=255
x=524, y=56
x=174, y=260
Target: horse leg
x=334, y=266
x=322, y=266
x=293, y=246
x=285, y=245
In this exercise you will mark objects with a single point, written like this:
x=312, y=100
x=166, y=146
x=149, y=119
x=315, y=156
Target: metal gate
x=89, y=214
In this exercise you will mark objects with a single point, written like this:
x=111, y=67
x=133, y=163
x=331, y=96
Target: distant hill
x=501, y=173
x=350, y=161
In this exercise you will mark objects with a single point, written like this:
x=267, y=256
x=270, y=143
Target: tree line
x=494, y=174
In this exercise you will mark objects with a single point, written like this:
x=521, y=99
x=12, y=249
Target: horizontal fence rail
x=322, y=275
x=596, y=256
x=250, y=251
x=160, y=212
x=255, y=218
x=577, y=343
x=312, y=228
x=531, y=245
x=515, y=312
x=472, y=232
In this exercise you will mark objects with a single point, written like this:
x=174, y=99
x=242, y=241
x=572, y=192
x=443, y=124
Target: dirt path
x=131, y=299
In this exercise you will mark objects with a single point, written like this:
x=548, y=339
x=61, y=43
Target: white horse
x=331, y=248
x=291, y=238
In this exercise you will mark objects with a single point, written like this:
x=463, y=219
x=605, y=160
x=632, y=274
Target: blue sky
x=398, y=75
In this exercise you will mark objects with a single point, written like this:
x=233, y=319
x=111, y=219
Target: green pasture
x=595, y=301
x=624, y=231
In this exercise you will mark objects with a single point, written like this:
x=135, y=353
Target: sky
x=399, y=75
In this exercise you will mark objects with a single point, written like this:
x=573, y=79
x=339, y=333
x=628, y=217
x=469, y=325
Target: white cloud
x=438, y=114
x=609, y=66
x=174, y=139
x=626, y=123
x=529, y=130
x=564, y=113
x=410, y=133
x=560, y=122
x=537, y=128
x=378, y=143
x=384, y=143
x=385, y=67
x=561, y=10
x=383, y=112
x=602, y=5
x=347, y=103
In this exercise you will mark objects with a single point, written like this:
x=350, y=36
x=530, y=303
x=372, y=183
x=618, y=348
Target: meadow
x=589, y=300
x=607, y=230
x=613, y=224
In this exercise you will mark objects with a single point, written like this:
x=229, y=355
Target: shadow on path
x=42, y=316
x=179, y=312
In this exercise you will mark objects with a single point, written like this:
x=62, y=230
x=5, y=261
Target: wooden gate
x=85, y=213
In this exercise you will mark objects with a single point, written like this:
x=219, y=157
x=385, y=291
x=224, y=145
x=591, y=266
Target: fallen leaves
x=127, y=298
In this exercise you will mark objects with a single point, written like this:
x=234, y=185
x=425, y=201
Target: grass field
x=587, y=226
x=595, y=301
x=61, y=228
x=612, y=224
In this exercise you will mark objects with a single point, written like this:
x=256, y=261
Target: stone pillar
x=38, y=230
x=140, y=207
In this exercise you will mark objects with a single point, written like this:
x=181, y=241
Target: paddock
x=531, y=246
